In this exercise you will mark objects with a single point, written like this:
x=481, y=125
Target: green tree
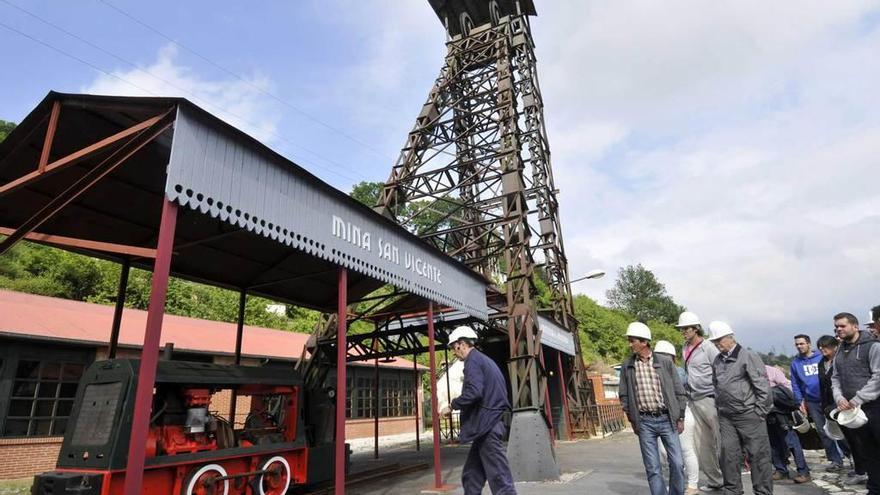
x=367, y=192
x=5, y=129
x=638, y=292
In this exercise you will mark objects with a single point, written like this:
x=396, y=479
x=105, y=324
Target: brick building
x=46, y=344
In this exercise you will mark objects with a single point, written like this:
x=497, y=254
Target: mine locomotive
x=285, y=442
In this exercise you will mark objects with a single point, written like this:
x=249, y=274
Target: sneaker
x=856, y=479
x=710, y=488
x=692, y=491
x=802, y=478
x=834, y=468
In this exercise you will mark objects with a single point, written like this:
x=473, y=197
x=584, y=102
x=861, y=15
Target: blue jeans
x=832, y=449
x=652, y=428
x=781, y=442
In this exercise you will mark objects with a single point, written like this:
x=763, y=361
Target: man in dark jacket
x=482, y=402
x=855, y=382
x=828, y=347
x=742, y=396
x=654, y=400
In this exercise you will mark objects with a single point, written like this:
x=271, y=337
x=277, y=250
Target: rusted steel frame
x=88, y=180
x=117, y=310
x=80, y=155
x=104, y=247
x=134, y=472
x=50, y=136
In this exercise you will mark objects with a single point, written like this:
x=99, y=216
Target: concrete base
x=530, y=451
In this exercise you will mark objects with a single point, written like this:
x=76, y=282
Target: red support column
x=547, y=405
x=117, y=310
x=435, y=415
x=341, y=354
x=376, y=409
x=134, y=475
x=565, y=412
x=239, y=335
x=416, y=386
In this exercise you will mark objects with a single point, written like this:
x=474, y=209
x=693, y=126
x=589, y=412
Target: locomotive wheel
x=277, y=480
x=198, y=482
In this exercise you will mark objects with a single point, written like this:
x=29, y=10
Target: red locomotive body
x=192, y=448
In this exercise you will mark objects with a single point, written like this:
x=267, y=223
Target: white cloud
x=240, y=102
x=746, y=175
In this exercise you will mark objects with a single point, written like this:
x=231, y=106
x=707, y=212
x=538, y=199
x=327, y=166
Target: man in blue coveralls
x=482, y=401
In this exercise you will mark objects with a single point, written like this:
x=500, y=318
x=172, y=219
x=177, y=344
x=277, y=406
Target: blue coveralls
x=482, y=401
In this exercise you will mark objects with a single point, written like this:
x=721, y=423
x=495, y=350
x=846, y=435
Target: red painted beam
x=134, y=475
x=341, y=347
x=565, y=412
x=435, y=414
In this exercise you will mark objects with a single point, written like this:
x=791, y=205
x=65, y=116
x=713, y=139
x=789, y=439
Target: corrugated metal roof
x=247, y=206
x=49, y=318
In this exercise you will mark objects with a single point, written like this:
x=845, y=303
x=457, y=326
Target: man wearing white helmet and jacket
x=482, y=403
x=698, y=356
x=653, y=398
x=855, y=383
x=742, y=396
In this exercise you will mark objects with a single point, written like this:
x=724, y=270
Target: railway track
x=382, y=472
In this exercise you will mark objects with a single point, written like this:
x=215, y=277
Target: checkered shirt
x=649, y=394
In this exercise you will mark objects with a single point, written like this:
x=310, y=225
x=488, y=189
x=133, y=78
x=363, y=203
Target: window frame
x=12, y=352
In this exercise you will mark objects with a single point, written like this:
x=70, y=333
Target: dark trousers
x=868, y=445
x=487, y=461
x=783, y=441
x=745, y=432
x=851, y=439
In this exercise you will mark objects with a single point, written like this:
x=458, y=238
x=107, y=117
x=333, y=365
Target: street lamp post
x=591, y=275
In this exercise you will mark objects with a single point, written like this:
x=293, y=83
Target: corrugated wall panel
x=226, y=176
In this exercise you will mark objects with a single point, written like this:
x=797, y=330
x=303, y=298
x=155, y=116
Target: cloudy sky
x=732, y=148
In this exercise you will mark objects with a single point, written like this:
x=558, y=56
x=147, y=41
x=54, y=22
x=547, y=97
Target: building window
x=364, y=395
x=41, y=398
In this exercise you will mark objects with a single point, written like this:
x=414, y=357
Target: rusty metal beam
x=77, y=156
x=73, y=242
x=88, y=180
x=50, y=136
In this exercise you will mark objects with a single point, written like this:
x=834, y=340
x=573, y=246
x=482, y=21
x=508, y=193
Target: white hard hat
x=664, y=347
x=851, y=418
x=832, y=429
x=462, y=332
x=718, y=329
x=804, y=425
x=639, y=330
x=688, y=319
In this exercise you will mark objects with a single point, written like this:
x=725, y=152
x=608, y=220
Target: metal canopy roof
x=253, y=219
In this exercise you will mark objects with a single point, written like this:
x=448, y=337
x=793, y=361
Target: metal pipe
x=239, y=335
x=134, y=475
x=435, y=416
x=341, y=348
x=565, y=412
x=120, y=305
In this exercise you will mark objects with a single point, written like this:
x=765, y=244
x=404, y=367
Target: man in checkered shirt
x=654, y=400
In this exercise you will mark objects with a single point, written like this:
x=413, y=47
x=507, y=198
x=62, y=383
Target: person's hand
x=679, y=425
x=804, y=407
x=844, y=405
x=446, y=411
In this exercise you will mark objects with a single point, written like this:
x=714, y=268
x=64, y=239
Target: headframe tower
x=474, y=179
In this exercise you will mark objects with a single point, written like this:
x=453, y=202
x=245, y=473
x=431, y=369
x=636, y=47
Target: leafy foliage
x=638, y=292
x=5, y=129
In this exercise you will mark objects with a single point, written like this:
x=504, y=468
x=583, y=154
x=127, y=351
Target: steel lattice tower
x=474, y=179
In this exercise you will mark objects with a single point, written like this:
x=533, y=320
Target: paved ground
x=605, y=466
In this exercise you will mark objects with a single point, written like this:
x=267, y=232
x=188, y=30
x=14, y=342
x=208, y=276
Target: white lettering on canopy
x=386, y=250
